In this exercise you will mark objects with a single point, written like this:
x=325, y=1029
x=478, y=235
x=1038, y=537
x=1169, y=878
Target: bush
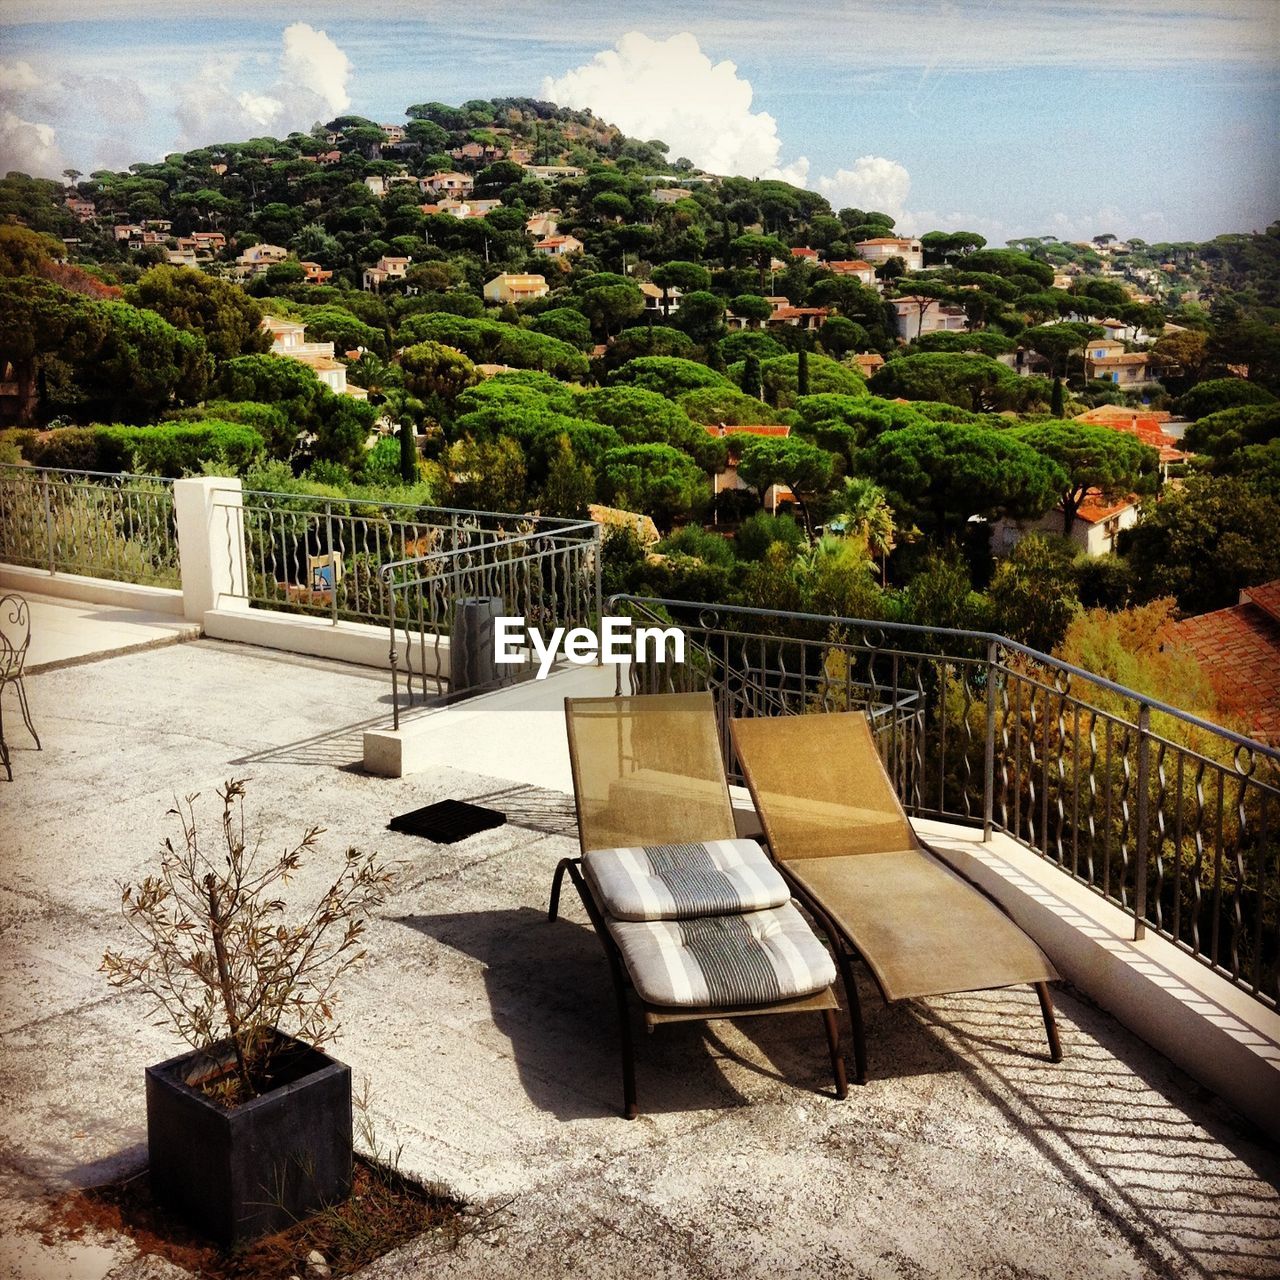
x=762, y=530
x=781, y=377
x=667, y=375
x=69, y=448
x=179, y=448
x=1221, y=393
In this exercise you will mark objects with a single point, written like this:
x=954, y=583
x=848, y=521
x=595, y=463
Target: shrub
x=1221, y=393
x=179, y=448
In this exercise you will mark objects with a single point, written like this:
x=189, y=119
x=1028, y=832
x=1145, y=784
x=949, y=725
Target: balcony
x=485, y=1033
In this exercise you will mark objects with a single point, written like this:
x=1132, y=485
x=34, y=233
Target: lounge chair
x=699, y=923
x=842, y=841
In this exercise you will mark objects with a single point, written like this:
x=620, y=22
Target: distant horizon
x=1141, y=118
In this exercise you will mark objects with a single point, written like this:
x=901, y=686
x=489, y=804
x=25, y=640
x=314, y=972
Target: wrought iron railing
x=102, y=525
x=1173, y=819
x=324, y=556
x=548, y=576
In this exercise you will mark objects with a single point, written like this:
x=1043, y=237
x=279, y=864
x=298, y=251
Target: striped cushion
x=679, y=881
x=722, y=962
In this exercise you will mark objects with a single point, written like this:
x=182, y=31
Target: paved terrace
x=487, y=1039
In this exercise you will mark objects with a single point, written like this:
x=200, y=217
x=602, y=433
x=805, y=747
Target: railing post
x=333, y=568
x=597, y=537
x=989, y=746
x=1144, y=822
x=48, y=526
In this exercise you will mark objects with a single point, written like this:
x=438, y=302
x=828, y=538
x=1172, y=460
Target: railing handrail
x=986, y=637
x=446, y=553
x=16, y=467
x=552, y=521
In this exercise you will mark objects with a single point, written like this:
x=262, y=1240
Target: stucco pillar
x=208, y=511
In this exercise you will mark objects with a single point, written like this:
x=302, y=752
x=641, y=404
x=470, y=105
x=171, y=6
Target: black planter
x=242, y=1172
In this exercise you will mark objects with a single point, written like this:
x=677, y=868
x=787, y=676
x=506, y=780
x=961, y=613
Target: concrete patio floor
x=487, y=1041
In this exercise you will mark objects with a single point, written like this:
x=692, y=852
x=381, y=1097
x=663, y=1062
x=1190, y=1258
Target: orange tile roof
x=753, y=429
x=1239, y=650
x=849, y=265
x=1095, y=509
x=1146, y=426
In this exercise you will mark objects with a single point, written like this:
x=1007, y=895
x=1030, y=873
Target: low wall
x=72, y=586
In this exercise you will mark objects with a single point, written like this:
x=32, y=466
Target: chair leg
x=26, y=712
x=4, y=748
x=629, y=1108
x=1050, y=1022
x=554, y=910
x=855, y=1015
x=837, y=1058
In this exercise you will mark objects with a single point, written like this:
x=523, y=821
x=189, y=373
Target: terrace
x=485, y=1033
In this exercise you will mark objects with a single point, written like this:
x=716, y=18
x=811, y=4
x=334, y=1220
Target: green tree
x=1032, y=592
x=435, y=372
x=758, y=251
x=688, y=277
x=804, y=468
x=1203, y=543
x=970, y=381
x=939, y=474
x=1094, y=459
x=570, y=484
x=652, y=478
x=752, y=308
x=610, y=306
x=1222, y=393
x=667, y=375
x=566, y=324
x=701, y=315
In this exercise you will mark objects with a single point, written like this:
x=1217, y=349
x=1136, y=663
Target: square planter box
x=241, y=1172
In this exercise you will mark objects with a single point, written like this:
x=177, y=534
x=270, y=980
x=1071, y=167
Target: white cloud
x=28, y=147
x=872, y=183
x=670, y=89
x=311, y=84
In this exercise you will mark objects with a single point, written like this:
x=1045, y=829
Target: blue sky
x=1140, y=117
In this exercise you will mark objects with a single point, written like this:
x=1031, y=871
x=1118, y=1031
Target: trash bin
x=471, y=656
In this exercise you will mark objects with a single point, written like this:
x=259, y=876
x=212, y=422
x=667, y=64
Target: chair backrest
x=647, y=770
x=15, y=634
x=819, y=786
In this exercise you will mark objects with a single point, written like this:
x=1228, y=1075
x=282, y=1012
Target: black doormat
x=447, y=821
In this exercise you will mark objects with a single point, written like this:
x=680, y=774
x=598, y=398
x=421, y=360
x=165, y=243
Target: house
x=540, y=225
x=288, y=338
x=653, y=298
x=1097, y=523
x=1121, y=331
x=558, y=246
x=380, y=185
x=914, y=316
x=861, y=271
x=513, y=287
x=387, y=270
x=478, y=152
x=553, y=172
x=124, y=231
x=181, y=257
x=258, y=258
x=728, y=480
x=1102, y=348
x=448, y=184
x=329, y=157
x=1238, y=648
x=777, y=302
x=798, y=317
x=868, y=362
x=1131, y=369
x=209, y=242
x=1027, y=363
x=805, y=254
x=392, y=132
x=314, y=273
x=881, y=248
x=669, y=195
x=1143, y=423
x=85, y=210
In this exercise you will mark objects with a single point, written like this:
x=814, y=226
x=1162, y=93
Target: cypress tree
x=1056, y=404
x=802, y=372
x=408, y=452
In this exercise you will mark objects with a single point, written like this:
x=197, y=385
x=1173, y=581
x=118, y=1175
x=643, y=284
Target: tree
x=436, y=372
x=939, y=474
x=1032, y=592
x=970, y=381
x=645, y=417
x=229, y=321
x=804, y=468
x=408, y=451
x=1222, y=393
x=701, y=315
x=753, y=376
x=1058, y=342
x=667, y=375
x=487, y=475
x=1057, y=404
x=566, y=324
x=863, y=511
x=570, y=484
x=1095, y=459
x=752, y=308
x=839, y=336
x=688, y=277
x=781, y=378
x=652, y=478
x=1203, y=543
x=344, y=330
x=610, y=306
x=759, y=251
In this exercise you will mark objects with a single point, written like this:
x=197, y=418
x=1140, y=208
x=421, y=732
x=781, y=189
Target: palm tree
x=865, y=513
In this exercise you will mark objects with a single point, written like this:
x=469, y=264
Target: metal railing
x=549, y=577
x=324, y=556
x=100, y=524
x=1171, y=818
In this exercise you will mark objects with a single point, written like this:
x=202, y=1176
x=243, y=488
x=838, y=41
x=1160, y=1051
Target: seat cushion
x=680, y=881
x=724, y=962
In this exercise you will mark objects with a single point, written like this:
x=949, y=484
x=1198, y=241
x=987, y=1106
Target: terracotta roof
x=1095, y=509
x=1239, y=649
x=849, y=266
x=794, y=313
x=804, y=253
x=753, y=429
x=1107, y=411
x=1136, y=357
x=1146, y=426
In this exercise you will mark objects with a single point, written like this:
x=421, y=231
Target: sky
x=1152, y=118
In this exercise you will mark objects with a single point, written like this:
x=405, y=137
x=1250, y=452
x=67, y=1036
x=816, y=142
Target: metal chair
x=15, y=636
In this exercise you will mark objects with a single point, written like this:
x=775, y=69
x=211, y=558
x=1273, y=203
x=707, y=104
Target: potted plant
x=251, y=1128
